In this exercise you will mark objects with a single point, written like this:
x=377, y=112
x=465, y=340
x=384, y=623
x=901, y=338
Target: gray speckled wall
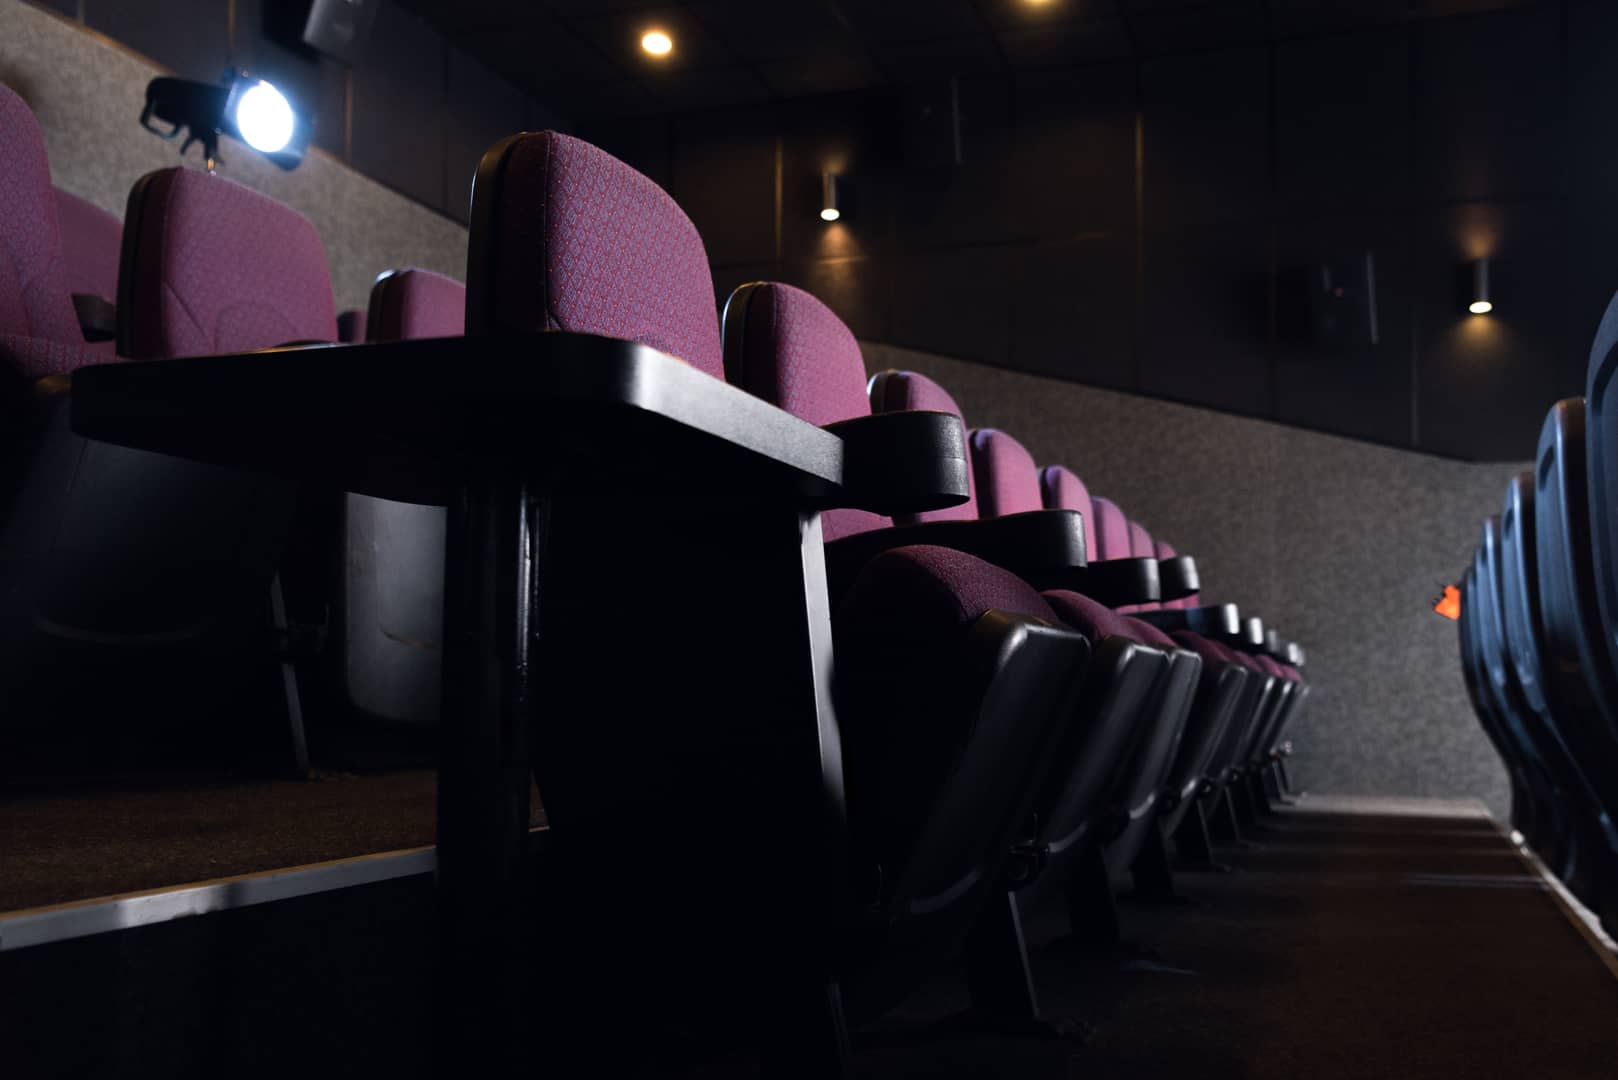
x=1341, y=544
x=87, y=94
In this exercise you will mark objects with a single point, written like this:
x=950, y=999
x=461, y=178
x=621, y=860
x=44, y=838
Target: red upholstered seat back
x=39, y=332
x=1061, y=489
x=210, y=266
x=567, y=237
x=415, y=303
x=788, y=348
x=1010, y=479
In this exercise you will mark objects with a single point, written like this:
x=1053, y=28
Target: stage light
x=244, y=107
x=263, y=117
x=657, y=43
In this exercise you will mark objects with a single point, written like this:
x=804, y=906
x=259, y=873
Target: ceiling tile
x=778, y=29
x=911, y=20
x=703, y=89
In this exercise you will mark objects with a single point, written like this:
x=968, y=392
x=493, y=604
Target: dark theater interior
x=809, y=539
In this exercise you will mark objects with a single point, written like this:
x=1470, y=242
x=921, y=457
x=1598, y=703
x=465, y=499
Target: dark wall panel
x=1207, y=139
x=398, y=121
x=724, y=177
x=1206, y=337
x=1342, y=131
x=482, y=108
x=1073, y=167
x=1487, y=380
x=1073, y=310
x=1489, y=115
x=955, y=301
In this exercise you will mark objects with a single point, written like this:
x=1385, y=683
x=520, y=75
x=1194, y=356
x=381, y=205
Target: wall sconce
x=831, y=196
x=1480, y=303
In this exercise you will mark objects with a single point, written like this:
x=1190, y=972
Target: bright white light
x=657, y=43
x=264, y=118
x=1480, y=307
x=831, y=213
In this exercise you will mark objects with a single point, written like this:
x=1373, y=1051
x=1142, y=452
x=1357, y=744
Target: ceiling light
x=657, y=43
x=264, y=118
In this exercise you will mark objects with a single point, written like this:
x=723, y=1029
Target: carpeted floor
x=97, y=841
x=1358, y=939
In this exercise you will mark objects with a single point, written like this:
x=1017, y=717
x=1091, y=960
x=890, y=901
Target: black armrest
x=1113, y=582
x=1219, y=622
x=1177, y=577
x=1033, y=546
x=405, y=420
x=1251, y=636
x=904, y=462
x=98, y=316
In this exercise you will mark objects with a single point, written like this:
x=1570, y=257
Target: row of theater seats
x=1030, y=698
x=1539, y=637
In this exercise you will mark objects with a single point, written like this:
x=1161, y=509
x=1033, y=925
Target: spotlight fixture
x=1481, y=304
x=241, y=106
x=657, y=43
x=831, y=196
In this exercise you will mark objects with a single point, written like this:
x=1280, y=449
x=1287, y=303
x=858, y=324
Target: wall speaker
x=334, y=28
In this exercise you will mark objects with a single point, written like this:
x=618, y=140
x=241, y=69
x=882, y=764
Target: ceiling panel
x=911, y=20
x=905, y=61
x=823, y=73
x=778, y=29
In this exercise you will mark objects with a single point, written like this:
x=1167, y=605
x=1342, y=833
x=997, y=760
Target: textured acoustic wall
x=88, y=94
x=1341, y=544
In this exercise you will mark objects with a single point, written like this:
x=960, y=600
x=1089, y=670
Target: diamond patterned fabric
x=197, y=291
x=583, y=243
x=34, y=292
x=416, y=303
x=797, y=354
x=1010, y=477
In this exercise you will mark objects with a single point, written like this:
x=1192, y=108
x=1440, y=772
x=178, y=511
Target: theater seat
x=951, y=679
x=787, y=347
x=389, y=647
x=1009, y=483
x=123, y=574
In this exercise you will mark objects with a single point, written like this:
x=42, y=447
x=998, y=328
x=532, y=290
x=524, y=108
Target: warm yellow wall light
x=657, y=43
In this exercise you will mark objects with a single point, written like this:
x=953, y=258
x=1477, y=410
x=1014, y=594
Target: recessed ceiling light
x=657, y=43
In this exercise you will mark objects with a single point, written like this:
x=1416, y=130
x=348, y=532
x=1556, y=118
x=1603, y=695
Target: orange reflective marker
x=1449, y=605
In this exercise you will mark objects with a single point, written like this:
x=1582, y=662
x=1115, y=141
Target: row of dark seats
x=1539, y=637
x=820, y=689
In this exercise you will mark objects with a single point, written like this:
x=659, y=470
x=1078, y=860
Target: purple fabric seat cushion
x=1112, y=530
x=414, y=303
x=1094, y=620
x=573, y=239
x=1141, y=547
x=215, y=267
